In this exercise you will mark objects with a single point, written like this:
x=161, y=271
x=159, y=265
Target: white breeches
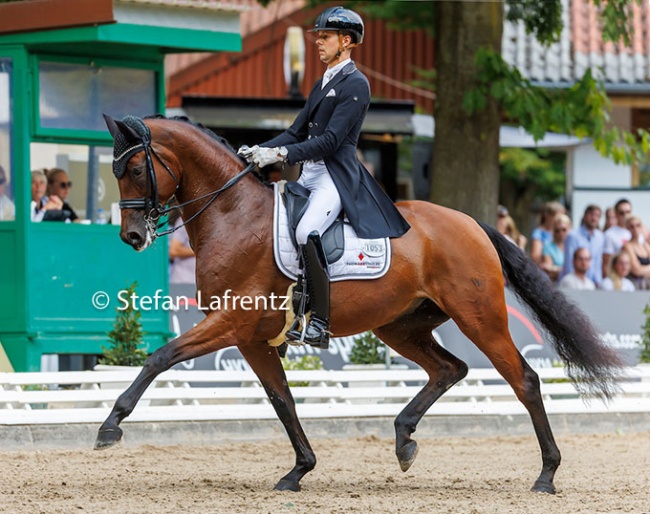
x=324, y=201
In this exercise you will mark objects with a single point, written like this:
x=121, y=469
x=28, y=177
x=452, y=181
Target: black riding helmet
x=339, y=18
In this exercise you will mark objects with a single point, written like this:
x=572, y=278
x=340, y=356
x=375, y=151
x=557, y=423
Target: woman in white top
x=619, y=268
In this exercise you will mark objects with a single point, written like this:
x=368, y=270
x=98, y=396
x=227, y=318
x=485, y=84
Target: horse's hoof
x=107, y=437
x=406, y=455
x=286, y=485
x=543, y=487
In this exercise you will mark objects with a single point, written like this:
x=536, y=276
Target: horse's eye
x=137, y=171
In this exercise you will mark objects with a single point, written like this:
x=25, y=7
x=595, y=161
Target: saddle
x=296, y=198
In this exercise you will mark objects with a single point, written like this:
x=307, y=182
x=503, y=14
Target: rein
x=151, y=203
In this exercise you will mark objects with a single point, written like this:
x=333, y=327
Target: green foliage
x=644, y=356
x=125, y=338
x=582, y=109
x=306, y=362
x=368, y=349
x=538, y=169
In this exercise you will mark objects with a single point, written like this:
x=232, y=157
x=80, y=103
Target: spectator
x=578, y=278
x=58, y=184
x=589, y=236
x=183, y=261
x=619, y=269
x=7, y=207
x=616, y=235
x=639, y=251
x=507, y=226
x=43, y=205
x=544, y=232
x=553, y=252
x=610, y=218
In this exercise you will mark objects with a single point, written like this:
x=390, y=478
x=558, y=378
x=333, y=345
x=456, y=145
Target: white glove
x=247, y=152
x=265, y=156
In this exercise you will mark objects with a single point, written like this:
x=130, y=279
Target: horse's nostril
x=134, y=238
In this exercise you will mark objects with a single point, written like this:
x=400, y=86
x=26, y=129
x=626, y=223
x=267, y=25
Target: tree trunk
x=465, y=173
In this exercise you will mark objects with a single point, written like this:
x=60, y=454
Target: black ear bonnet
x=133, y=136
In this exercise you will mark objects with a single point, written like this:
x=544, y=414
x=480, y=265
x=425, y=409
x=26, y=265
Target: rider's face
x=327, y=43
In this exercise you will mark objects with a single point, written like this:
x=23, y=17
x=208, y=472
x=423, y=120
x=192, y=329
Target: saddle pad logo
x=374, y=248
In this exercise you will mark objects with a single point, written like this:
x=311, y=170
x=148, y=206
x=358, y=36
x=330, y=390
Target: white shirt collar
x=331, y=72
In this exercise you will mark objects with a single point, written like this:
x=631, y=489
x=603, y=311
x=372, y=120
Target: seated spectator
x=544, y=232
x=7, y=207
x=639, y=251
x=616, y=235
x=619, y=269
x=589, y=236
x=506, y=225
x=182, y=269
x=553, y=252
x=578, y=278
x=58, y=184
x=43, y=207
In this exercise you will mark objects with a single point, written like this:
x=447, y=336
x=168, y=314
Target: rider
x=324, y=138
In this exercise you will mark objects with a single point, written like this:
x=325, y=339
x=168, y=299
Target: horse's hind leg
x=411, y=336
x=489, y=332
x=267, y=366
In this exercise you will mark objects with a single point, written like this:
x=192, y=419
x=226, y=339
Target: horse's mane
x=210, y=133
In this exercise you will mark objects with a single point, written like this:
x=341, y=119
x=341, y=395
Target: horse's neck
x=244, y=208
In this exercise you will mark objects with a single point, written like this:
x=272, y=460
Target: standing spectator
x=7, y=207
x=507, y=226
x=578, y=278
x=610, y=218
x=183, y=261
x=589, y=236
x=553, y=252
x=639, y=251
x=619, y=269
x=58, y=184
x=544, y=232
x=616, y=235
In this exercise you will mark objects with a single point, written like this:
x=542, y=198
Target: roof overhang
x=168, y=27
x=384, y=117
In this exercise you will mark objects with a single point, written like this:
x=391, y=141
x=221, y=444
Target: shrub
x=306, y=362
x=368, y=349
x=126, y=338
x=644, y=356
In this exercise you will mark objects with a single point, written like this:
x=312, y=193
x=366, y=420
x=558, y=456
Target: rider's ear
x=116, y=127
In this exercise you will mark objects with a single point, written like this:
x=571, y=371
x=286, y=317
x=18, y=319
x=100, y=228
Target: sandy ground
x=600, y=474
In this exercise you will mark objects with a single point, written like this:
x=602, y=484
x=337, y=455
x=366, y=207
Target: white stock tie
x=327, y=77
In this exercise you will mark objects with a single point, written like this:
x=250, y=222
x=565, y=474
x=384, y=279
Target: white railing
x=87, y=396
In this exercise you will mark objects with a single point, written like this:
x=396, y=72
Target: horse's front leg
x=198, y=341
x=266, y=364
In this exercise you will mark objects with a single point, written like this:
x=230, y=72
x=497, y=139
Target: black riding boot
x=318, y=284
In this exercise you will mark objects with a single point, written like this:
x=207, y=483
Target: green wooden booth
x=54, y=86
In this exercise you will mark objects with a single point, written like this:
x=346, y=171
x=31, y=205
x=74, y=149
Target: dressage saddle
x=296, y=198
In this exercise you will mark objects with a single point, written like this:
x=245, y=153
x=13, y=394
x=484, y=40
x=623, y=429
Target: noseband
x=151, y=204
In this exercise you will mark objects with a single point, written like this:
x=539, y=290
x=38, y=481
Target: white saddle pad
x=363, y=258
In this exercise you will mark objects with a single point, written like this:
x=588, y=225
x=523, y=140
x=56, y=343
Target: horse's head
x=148, y=176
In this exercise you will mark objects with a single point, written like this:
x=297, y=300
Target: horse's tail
x=593, y=366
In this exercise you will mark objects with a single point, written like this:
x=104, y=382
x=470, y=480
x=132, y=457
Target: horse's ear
x=117, y=128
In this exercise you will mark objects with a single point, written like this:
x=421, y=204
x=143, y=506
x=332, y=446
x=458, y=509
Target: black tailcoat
x=328, y=128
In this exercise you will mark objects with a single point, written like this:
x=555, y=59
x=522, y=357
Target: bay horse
x=446, y=266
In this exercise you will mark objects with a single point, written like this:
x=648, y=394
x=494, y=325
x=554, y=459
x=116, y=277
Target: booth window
x=74, y=96
x=87, y=185
x=7, y=208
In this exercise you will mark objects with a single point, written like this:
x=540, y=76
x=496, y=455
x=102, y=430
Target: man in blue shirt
x=587, y=235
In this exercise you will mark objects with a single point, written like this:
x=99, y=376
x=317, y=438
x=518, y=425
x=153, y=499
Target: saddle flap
x=333, y=241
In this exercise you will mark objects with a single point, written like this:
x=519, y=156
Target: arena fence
x=176, y=395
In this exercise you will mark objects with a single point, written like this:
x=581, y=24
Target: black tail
x=592, y=365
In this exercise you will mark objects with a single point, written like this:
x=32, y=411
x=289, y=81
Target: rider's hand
x=265, y=156
x=247, y=152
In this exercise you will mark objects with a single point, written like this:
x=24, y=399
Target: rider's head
x=344, y=22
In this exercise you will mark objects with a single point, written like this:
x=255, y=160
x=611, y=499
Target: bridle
x=150, y=203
